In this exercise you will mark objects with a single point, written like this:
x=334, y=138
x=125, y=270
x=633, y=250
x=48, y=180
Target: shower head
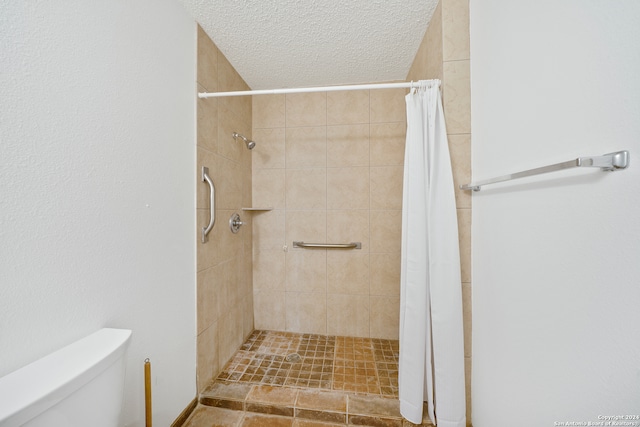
x=250, y=144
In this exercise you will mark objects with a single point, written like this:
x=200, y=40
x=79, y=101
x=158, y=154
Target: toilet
x=79, y=385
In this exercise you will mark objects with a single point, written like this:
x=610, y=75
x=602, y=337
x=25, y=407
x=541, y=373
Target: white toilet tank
x=77, y=386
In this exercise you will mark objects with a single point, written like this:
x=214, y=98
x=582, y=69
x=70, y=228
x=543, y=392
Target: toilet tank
x=77, y=386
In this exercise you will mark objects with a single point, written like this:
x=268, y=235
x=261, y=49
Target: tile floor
x=360, y=365
x=305, y=380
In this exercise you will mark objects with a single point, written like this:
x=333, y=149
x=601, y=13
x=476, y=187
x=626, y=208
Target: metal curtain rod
x=407, y=85
x=607, y=162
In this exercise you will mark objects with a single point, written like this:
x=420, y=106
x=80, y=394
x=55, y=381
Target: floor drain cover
x=293, y=357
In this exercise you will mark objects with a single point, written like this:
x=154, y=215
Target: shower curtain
x=431, y=364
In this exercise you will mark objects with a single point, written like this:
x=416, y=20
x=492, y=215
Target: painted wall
x=556, y=333
x=224, y=292
x=97, y=151
x=444, y=54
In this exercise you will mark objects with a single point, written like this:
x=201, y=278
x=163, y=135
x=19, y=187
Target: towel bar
x=607, y=162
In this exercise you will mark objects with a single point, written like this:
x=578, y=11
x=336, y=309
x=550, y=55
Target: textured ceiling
x=297, y=43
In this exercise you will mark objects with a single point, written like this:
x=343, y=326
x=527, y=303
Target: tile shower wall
x=330, y=166
x=224, y=280
x=444, y=54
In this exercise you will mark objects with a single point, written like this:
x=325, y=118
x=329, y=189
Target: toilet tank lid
x=34, y=388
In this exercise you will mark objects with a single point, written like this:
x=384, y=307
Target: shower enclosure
x=326, y=167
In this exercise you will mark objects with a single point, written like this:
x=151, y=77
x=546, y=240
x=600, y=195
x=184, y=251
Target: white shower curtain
x=431, y=365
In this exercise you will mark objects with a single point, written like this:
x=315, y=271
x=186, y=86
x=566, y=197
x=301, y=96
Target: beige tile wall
x=330, y=164
x=224, y=279
x=444, y=54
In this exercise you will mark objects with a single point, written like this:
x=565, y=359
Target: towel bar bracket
x=613, y=161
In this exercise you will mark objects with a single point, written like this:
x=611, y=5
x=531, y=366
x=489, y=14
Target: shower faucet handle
x=235, y=223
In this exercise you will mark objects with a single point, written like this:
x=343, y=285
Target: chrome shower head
x=250, y=144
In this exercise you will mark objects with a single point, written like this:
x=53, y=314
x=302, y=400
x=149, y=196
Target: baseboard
x=184, y=415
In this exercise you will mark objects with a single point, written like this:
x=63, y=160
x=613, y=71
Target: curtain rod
x=407, y=85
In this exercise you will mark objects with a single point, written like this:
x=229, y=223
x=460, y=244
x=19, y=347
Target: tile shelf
x=257, y=209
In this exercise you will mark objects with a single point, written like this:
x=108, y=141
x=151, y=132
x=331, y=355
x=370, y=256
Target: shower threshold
x=305, y=380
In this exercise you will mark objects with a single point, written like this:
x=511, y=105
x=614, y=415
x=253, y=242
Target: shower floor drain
x=293, y=357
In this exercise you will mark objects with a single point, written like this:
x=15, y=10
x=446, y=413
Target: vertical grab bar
x=212, y=203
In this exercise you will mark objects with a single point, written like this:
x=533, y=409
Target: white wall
x=556, y=259
x=97, y=166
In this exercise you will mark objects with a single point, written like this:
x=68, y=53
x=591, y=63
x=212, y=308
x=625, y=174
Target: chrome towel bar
x=352, y=245
x=212, y=203
x=607, y=162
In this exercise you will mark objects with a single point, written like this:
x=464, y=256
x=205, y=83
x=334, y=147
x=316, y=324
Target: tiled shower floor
x=316, y=361
x=305, y=380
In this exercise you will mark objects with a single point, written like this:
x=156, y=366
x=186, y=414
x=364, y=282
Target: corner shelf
x=257, y=209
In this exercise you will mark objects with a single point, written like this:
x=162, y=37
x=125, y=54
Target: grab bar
x=352, y=245
x=212, y=203
x=607, y=162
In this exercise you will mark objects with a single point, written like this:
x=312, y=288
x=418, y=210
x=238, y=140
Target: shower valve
x=235, y=223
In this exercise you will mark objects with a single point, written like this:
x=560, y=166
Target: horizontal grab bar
x=607, y=162
x=352, y=245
